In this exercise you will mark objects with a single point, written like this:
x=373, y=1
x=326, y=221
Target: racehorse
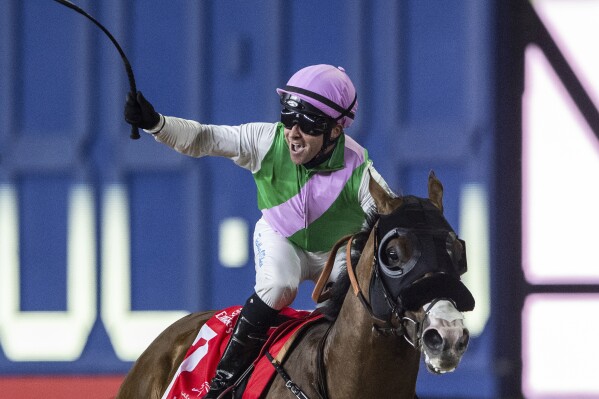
x=405, y=300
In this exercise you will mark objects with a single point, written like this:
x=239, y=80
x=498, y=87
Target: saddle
x=193, y=376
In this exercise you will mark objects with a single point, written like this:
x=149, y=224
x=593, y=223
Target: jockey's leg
x=246, y=341
x=280, y=266
x=279, y=271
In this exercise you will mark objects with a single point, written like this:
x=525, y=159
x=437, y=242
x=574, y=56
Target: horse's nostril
x=463, y=341
x=433, y=339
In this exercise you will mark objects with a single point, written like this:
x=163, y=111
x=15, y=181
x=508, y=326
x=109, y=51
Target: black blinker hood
x=435, y=275
x=437, y=286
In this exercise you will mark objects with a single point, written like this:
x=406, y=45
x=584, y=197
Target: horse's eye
x=392, y=255
x=398, y=252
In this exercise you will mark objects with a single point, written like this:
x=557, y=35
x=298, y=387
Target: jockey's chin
x=302, y=147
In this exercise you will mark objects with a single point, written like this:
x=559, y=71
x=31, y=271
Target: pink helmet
x=327, y=88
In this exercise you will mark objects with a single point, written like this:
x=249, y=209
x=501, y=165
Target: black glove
x=138, y=111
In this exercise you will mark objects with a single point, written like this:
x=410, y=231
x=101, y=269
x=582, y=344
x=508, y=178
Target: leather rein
x=397, y=324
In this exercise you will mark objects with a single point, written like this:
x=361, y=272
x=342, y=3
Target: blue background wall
x=423, y=71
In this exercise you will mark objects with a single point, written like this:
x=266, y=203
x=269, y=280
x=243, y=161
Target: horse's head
x=414, y=284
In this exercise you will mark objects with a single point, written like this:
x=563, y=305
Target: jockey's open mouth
x=297, y=147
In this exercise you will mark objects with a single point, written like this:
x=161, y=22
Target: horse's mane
x=339, y=289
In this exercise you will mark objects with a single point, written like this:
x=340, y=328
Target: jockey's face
x=304, y=147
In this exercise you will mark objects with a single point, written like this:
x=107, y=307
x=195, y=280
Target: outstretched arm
x=246, y=144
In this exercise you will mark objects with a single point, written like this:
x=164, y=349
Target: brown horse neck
x=362, y=363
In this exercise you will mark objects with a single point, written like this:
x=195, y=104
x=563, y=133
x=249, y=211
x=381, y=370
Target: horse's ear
x=435, y=190
x=381, y=198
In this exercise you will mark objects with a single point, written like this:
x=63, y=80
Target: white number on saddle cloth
x=193, y=375
x=202, y=344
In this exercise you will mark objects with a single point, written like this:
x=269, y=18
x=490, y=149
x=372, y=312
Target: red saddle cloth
x=193, y=376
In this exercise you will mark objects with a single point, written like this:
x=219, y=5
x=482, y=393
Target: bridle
x=398, y=323
x=438, y=272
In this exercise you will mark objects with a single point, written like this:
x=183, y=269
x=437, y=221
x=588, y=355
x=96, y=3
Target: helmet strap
x=322, y=155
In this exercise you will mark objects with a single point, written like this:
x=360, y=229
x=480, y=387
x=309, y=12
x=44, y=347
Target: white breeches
x=281, y=266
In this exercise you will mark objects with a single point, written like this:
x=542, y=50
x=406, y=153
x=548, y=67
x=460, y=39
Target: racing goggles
x=310, y=119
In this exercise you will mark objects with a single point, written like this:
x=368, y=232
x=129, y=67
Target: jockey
x=312, y=182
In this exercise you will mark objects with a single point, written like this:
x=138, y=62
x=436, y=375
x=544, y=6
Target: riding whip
x=134, y=128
